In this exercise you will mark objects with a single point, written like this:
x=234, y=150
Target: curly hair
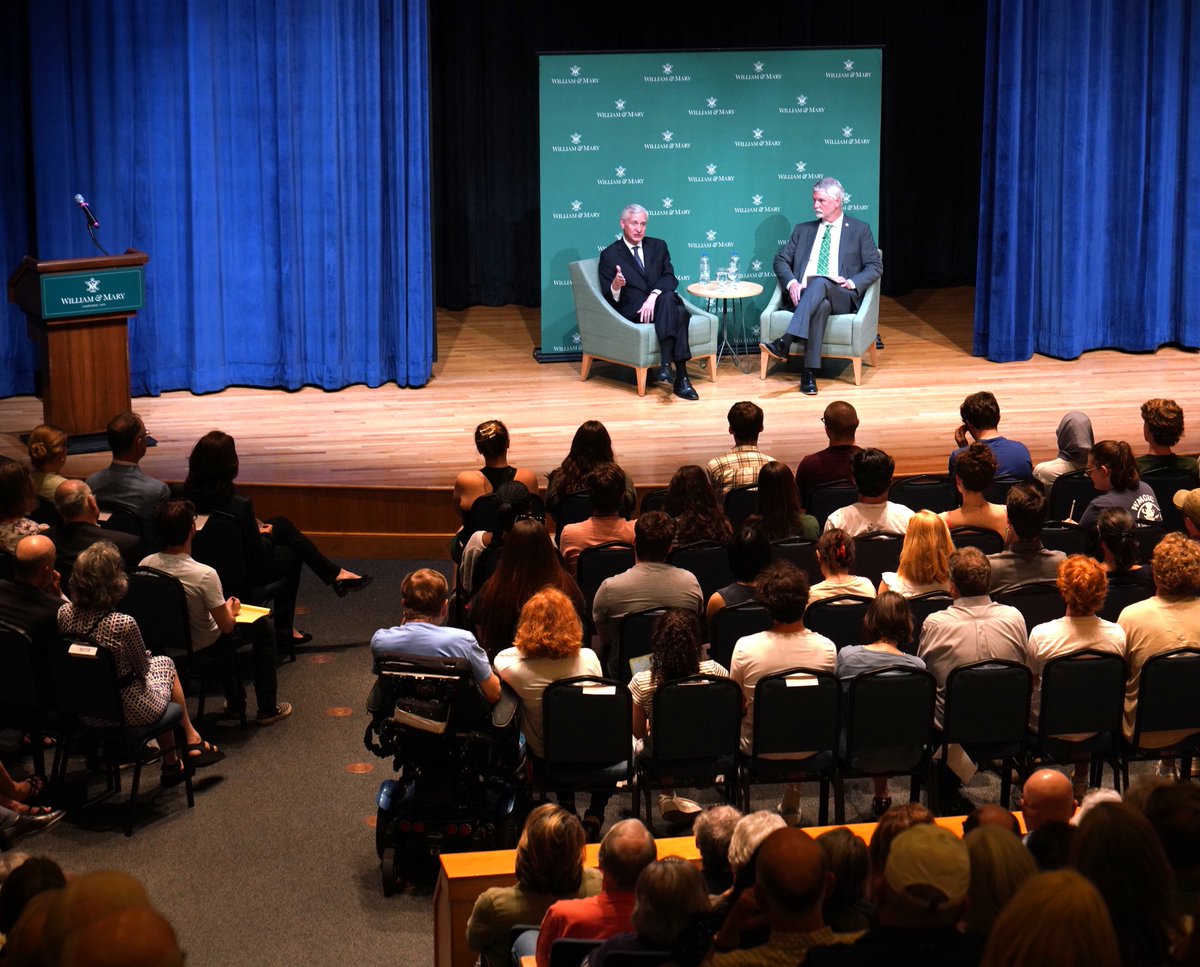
x=778, y=501
x=980, y=411
x=835, y=549
x=976, y=467
x=692, y=501
x=17, y=494
x=925, y=554
x=548, y=626
x=212, y=468
x=590, y=447
x=98, y=581
x=1176, y=566
x=675, y=646
x=1164, y=421
x=783, y=591
x=550, y=851
x=1083, y=584
x=46, y=444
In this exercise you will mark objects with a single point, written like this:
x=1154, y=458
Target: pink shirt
x=589, y=533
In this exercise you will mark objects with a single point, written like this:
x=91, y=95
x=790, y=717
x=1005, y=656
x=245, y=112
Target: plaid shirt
x=737, y=468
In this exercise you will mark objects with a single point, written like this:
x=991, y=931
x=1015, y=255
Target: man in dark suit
x=80, y=529
x=31, y=600
x=825, y=267
x=637, y=278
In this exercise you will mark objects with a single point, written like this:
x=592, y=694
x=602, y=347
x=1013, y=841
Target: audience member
x=210, y=613
x=133, y=937
x=871, y=470
x=693, y=504
x=783, y=591
x=17, y=501
x=650, y=583
x=676, y=652
x=276, y=549
x=739, y=466
x=87, y=899
x=1188, y=503
x=1165, y=622
x=590, y=447
x=36, y=875
x=840, y=421
x=422, y=632
x=788, y=895
x=23, y=945
x=1000, y=865
x=846, y=907
x=48, y=454
x=1174, y=811
x=980, y=421
x=549, y=867
x=1116, y=848
x=891, y=824
x=835, y=557
x=548, y=646
x=748, y=836
x=974, y=471
x=1162, y=426
x=713, y=832
x=1119, y=549
x=123, y=483
x=924, y=558
x=148, y=682
x=1114, y=474
x=1047, y=797
x=482, y=552
x=991, y=814
x=888, y=628
x=529, y=563
x=18, y=817
x=1074, y=444
x=780, y=515
x=491, y=441
x=1025, y=559
x=1050, y=844
x=1055, y=917
x=1094, y=798
x=30, y=601
x=626, y=850
x=921, y=896
x=80, y=529
x=748, y=553
x=606, y=486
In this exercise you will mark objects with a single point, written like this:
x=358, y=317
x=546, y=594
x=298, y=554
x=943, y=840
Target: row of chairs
x=881, y=725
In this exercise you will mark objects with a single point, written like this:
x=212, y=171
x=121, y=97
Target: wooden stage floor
x=388, y=442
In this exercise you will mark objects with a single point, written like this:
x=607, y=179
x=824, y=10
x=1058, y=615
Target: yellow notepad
x=250, y=613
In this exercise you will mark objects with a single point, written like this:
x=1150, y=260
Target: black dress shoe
x=663, y=373
x=346, y=585
x=683, y=389
x=808, y=383
x=28, y=824
x=775, y=348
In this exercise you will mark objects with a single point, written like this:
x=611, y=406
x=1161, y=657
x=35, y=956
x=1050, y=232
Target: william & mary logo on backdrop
x=847, y=138
x=577, y=145
x=710, y=241
x=847, y=71
x=756, y=207
x=620, y=111
x=760, y=141
x=849, y=206
x=575, y=76
x=711, y=109
x=577, y=211
x=668, y=76
x=668, y=143
x=620, y=178
x=668, y=208
x=760, y=74
x=710, y=175
x=802, y=107
x=799, y=172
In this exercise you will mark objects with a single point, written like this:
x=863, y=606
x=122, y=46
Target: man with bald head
x=626, y=850
x=31, y=600
x=790, y=886
x=1047, y=797
x=76, y=505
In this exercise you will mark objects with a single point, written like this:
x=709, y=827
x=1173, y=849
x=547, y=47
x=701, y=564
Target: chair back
x=889, y=721
x=1058, y=535
x=1070, y=494
x=922, y=606
x=44, y=512
x=740, y=503
x=926, y=491
x=8, y=565
x=637, y=958
x=21, y=686
x=1121, y=594
x=800, y=552
x=571, y=951
x=572, y=509
x=708, y=561
x=987, y=541
x=634, y=635
x=598, y=563
x=733, y=623
x=987, y=706
x=797, y=710
x=828, y=497
x=587, y=723
x=480, y=516
x=124, y=520
x=220, y=545
x=157, y=601
x=1147, y=534
x=839, y=619
x=696, y=718
x=655, y=500
x=876, y=553
x=1038, y=602
x=85, y=680
x=1166, y=699
x=1082, y=692
x=1166, y=482
x=997, y=491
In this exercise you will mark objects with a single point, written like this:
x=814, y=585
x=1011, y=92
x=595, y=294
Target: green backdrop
x=722, y=148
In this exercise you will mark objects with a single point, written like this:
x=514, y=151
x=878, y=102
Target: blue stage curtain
x=1090, y=207
x=272, y=159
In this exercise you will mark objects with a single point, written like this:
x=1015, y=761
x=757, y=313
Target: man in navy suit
x=825, y=267
x=637, y=278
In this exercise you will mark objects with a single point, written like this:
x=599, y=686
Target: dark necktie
x=637, y=254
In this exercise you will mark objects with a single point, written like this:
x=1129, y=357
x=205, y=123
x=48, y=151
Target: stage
x=369, y=470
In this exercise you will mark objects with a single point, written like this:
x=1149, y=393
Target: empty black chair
x=795, y=711
x=1038, y=602
x=481, y=516
x=587, y=722
x=654, y=500
x=1082, y=694
x=876, y=553
x=1124, y=590
x=695, y=729
x=571, y=951
x=45, y=512
x=1165, y=482
x=926, y=491
x=633, y=641
x=730, y=624
x=839, y=619
x=1059, y=535
x=828, y=497
x=572, y=509
x=997, y=491
x=987, y=712
x=740, y=503
x=598, y=563
x=922, y=606
x=987, y=541
x=800, y=552
x=1147, y=534
x=1166, y=703
x=1070, y=494
x=889, y=729
x=708, y=560
x=118, y=517
x=26, y=699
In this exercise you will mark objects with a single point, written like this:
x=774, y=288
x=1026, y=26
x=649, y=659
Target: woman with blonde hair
x=48, y=454
x=1000, y=865
x=924, y=558
x=548, y=646
x=1057, y=918
x=974, y=471
x=549, y=867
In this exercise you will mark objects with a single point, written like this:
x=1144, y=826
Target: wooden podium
x=78, y=313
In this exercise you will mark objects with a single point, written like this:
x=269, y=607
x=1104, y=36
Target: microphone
x=92, y=220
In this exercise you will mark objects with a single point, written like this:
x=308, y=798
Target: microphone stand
x=96, y=241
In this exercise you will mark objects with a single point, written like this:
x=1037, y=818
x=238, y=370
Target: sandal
x=36, y=785
x=25, y=809
x=202, y=753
